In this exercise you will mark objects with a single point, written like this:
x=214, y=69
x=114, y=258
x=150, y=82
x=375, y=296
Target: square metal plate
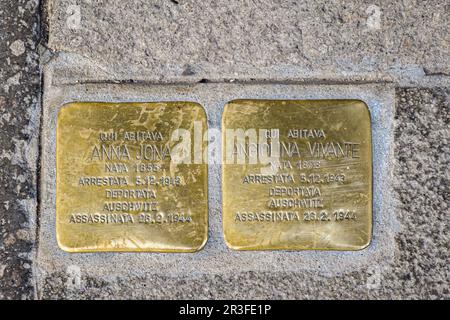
x=127, y=179
x=297, y=174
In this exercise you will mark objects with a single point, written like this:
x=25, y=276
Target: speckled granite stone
x=405, y=45
x=19, y=131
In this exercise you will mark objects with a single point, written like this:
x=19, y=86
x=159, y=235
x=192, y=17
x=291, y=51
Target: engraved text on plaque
x=297, y=175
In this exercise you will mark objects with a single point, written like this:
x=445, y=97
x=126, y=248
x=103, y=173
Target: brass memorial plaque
x=130, y=177
x=297, y=175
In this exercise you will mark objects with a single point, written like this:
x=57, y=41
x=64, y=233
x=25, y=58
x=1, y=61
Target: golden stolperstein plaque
x=297, y=174
x=130, y=177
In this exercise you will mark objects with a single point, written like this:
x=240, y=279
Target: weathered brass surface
x=118, y=186
x=317, y=194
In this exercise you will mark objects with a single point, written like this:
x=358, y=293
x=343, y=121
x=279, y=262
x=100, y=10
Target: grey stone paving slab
x=422, y=177
x=215, y=259
x=19, y=132
x=186, y=41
